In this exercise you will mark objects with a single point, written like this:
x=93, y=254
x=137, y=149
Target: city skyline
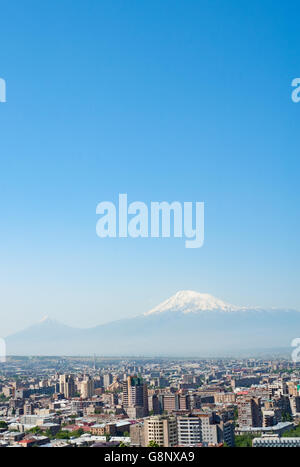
x=149, y=402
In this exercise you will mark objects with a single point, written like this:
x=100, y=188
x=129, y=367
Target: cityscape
x=141, y=402
x=149, y=235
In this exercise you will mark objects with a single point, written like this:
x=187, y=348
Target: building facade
x=162, y=430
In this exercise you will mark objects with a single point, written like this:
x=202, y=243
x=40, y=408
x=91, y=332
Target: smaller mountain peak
x=47, y=320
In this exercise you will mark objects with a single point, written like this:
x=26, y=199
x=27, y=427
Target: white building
x=189, y=431
x=275, y=442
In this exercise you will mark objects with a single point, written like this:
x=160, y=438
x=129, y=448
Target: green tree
x=293, y=433
x=123, y=445
x=153, y=444
x=36, y=430
x=49, y=434
x=244, y=441
x=286, y=417
x=63, y=435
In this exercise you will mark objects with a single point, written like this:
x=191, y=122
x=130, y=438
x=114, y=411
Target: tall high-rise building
x=135, y=397
x=67, y=385
x=153, y=404
x=249, y=411
x=87, y=387
x=162, y=430
x=107, y=380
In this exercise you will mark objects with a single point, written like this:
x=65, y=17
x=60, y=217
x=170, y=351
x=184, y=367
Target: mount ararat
x=187, y=324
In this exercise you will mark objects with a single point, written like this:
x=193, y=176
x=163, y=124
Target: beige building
x=135, y=397
x=67, y=386
x=249, y=411
x=87, y=388
x=162, y=430
x=292, y=388
x=174, y=402
x=224, y=397
x=104, y=429
x=137, y=435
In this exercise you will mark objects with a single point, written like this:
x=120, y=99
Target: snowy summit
x=188, y=301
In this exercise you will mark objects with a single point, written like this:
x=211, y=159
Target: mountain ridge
x=188, y=323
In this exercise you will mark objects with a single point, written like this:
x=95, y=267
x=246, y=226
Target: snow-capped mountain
x=188, y=301
x=187, y=324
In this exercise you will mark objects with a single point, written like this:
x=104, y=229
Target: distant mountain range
x=187, y=324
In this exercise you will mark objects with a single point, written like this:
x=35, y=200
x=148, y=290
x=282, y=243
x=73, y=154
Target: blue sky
x=163, y=100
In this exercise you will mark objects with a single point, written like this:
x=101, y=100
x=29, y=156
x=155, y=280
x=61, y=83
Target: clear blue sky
x=163, y=100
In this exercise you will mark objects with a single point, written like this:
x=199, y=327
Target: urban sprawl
x=119, y=402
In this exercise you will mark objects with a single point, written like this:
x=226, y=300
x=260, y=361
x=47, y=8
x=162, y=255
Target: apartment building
x=162, y=430
x=87, y=387
x=135, y=397
x=249, y=411
x=189, y=431
x=174, y=402
x=224, y=397
x=204, y=429
x=67, y=386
